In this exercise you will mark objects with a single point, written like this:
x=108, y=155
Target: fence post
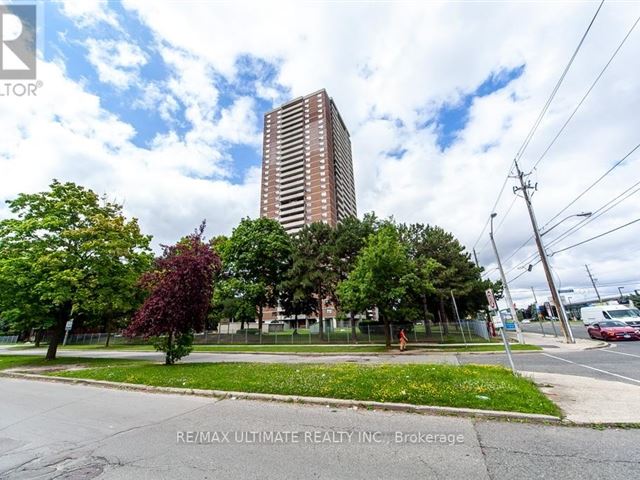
x=246, y=336
x=369, y=333
x=276, y=337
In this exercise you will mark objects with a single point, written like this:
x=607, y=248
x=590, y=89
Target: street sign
x=497, y=321
x=547, y=307
x=68, y=326
x=565, y=290
x=491, y=299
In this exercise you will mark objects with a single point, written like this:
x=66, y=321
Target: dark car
x=613, y=330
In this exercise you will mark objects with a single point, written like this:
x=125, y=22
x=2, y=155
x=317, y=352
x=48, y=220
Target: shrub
x=178, y=347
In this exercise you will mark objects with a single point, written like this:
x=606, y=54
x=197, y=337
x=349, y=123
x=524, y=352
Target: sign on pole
x=67, y=328
x=496, y=319
x=491, y=299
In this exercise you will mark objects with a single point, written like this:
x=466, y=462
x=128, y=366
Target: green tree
x=234, y=300
x=425, y=269
x=67, y=252
x=296, y=298
x=257, y=254
x=456, y=272
x=312, y=266
x=350, y=237
x=380, y=277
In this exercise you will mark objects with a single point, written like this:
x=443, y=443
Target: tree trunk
x=58, y=333
x=260, y=314
x=108, y=329
x=427, y=323
x=295, y=322
x=387, y=328
x=320, y=317
x=352, y=316
x=443, y=318
x=38, y=338
x=167, y=358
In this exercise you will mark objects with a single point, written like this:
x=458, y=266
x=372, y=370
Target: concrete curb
x=337, y=402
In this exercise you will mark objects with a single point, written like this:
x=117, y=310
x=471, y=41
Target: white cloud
x=89, y=13
x=117, y=62
x=77, y=140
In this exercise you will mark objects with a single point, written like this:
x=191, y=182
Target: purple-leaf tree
x=180, y=286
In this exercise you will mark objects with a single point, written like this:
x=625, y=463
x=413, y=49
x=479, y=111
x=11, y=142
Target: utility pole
x=475, y=255
x=455, y=308
x=564, y=323
x=507, y=292
x=593, y=282
x=535, y=306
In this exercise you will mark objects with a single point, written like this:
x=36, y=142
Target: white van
x=630, y=316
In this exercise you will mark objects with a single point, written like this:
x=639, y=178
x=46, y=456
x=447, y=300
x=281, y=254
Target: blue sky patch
x=452, y=118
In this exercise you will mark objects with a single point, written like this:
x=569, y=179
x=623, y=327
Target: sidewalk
x=587, y=400
x=558, y=345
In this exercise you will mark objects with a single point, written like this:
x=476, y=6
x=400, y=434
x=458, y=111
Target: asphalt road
x=50, y=430
x=620, y=362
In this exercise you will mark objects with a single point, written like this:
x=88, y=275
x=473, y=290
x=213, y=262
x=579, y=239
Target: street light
x=583, y=214
x=507, y=293
x=620, y=291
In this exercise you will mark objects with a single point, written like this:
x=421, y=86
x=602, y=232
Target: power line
x=541, y=115
x=495, y=204
x=526, y=271
x=504, y=217
x=596, y=237
x=598, y=213
x=584, y=221
x=598, y=180
x=557, y=86
x=597, y=79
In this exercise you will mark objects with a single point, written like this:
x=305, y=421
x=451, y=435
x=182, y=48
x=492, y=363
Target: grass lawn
x=472, y=386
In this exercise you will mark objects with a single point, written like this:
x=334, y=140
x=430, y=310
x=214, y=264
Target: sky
x=159, y=105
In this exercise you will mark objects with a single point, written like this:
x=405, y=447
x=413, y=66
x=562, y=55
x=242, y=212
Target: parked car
x=598, y=313
x=613, y=330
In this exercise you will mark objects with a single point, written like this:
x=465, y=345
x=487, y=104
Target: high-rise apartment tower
x=307, y=170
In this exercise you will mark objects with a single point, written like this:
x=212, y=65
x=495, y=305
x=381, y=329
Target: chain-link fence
x=471, y=331
x=8, y=339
